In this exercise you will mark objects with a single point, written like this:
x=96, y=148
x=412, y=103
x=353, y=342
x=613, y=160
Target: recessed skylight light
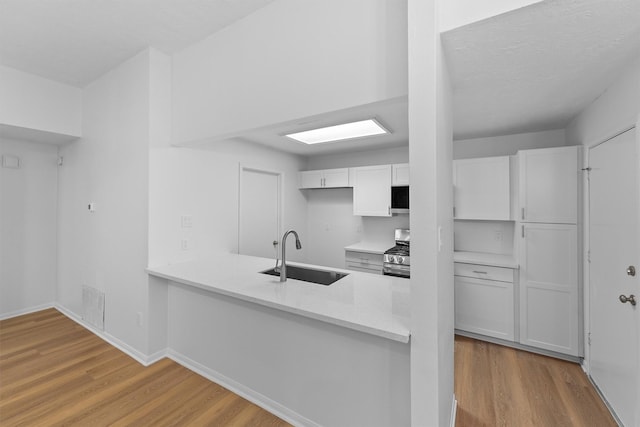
x=369, y=127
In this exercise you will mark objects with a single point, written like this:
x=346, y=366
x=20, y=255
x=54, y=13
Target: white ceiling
x=391, y=113
x=76, y=41
x=531, y=69
x=537, y=67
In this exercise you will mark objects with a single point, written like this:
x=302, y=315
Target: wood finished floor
x=501, y=386
x=53, y=372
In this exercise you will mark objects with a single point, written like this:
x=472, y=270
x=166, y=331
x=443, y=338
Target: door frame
x=586, y=364
x=280, y=204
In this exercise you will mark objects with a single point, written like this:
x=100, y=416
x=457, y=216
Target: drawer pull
x=480, y=272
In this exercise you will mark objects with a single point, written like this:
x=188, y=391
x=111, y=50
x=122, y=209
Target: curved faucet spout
x=283, y=269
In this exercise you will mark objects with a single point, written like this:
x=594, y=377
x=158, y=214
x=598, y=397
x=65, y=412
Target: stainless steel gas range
x=396, y=261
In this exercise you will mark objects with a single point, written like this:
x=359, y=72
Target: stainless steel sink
x=320, y=277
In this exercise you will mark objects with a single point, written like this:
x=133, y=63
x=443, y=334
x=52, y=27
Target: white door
x=613, y=230
x=259, y=216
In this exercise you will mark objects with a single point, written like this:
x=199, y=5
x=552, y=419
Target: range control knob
x=400, y=260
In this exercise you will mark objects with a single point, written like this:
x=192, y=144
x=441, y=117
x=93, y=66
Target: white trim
x=454, y=411
x=23, y=311
x=606, y=402
x=140, y=357
x=241, y=390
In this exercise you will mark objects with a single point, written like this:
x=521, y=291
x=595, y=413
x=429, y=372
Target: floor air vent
x=93, y=307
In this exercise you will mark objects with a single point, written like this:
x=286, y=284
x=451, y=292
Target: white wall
x=290, y=59
x=28, y=227
x=33, y=102
x=359, y=158
x=616, y=109
x=456, y=13
x=107, y=249
x=482, y=236
x=204, y=183
x=507, y=145
x=430, y=153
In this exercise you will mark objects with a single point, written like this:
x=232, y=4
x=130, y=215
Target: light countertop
x=370, y=303
x=370, y=247
x=507, y=261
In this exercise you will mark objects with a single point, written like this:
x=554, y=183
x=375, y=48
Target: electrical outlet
x=497, y=235
x=139, y=318
x=184, y=244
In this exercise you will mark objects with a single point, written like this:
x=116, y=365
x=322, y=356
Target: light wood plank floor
x=53, y=372
x=501, y=386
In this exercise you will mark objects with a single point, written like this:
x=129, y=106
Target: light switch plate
x=10, y=162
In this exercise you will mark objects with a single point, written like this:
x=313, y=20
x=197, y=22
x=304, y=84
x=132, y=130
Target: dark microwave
x=400, y=199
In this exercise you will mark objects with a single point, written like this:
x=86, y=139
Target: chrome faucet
x=283, y=269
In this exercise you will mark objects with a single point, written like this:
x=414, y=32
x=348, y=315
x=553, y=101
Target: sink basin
x=320, y=277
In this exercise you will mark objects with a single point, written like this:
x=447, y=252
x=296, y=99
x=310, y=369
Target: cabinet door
x=482, y=188
x=549, y=185
x=335, y=178
x=484, y=307
x=549, y=287
x=400, y=174
x=372, y=190
x=310, y=179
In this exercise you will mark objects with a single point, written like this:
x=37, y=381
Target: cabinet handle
x=454, y=211
x=522, y=231
x=523, y=213
x=389, y=210
x=480, y=272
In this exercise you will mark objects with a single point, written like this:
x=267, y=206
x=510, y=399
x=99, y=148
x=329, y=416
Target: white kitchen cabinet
x=371, y=190
x=548, y=184
x=326, y=178
x=482, y=188
x=484, y=300
x=549, y=311
x=367, y=262
x=400, y=174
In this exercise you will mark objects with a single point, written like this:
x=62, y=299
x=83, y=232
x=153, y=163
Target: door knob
x=630, y=299
x=631, y=270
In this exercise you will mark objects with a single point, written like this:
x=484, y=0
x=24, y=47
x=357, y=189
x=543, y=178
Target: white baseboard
x=140, y=357
x=26, y=311
x=454, y=411
x=241, y=390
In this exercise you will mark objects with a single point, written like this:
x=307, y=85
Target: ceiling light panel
x=362, y=128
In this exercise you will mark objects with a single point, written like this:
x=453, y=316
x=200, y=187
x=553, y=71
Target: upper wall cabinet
x=549, y=185
x=371, y=190
x=327, y=178
x=400, y=174
x=482, y=188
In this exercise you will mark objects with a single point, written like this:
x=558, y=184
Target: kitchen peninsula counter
x=369, y=303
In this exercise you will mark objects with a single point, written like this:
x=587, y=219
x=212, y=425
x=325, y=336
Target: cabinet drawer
x=479, y=271
x=371, y=268
x=364, y=259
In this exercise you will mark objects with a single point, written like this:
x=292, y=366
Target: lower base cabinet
x=484, y=305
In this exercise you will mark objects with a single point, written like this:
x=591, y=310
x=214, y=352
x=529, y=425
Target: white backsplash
x=494, y=237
